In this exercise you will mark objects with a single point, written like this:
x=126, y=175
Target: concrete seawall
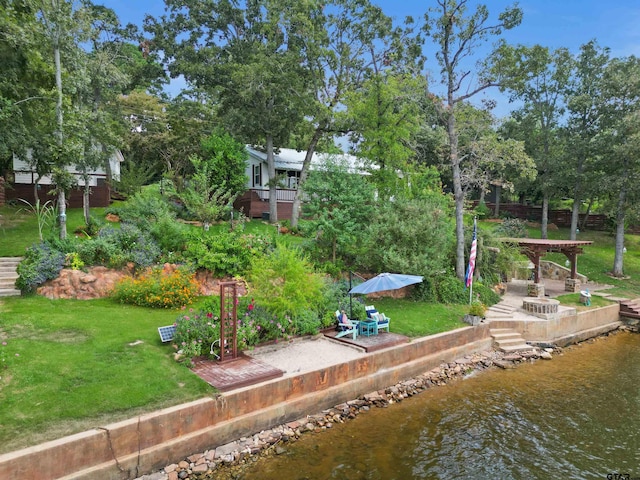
x=564, y=330
x=141, y=445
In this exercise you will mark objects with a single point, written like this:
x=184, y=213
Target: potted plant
x=476, y=313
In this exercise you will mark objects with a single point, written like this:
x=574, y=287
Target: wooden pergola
x=535, y=248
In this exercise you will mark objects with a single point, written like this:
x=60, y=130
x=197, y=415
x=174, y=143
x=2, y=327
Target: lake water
x=574, y=417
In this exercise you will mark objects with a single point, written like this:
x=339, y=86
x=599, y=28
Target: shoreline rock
x=226, y=461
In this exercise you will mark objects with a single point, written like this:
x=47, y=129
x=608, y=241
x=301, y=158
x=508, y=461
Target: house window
x=257, y=175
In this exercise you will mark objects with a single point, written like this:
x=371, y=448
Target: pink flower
x=4, y=343
x=250, y=307
x=17, y=354
x=209, y=315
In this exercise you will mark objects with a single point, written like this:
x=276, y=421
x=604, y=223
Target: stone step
x=9, y=292
x=509, y=342
x=7, y=282
x=501, y=308
x=505, y=335
x=523, y=347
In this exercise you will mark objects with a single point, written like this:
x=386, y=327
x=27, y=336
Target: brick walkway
x=237, y=373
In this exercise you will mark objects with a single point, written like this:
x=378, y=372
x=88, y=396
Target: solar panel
x=167, y=333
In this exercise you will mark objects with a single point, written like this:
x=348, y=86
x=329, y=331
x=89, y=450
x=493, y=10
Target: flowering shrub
x=195, y=332
x=41, y=262
x=157, y=289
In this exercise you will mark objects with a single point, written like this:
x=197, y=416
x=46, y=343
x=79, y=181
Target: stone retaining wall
x=141, y=445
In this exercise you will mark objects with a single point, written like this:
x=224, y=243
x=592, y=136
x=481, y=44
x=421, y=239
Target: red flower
x=209, y=315
x=250, y=307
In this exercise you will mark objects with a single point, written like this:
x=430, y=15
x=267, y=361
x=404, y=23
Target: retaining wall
x=141, y=445
x=565, y=329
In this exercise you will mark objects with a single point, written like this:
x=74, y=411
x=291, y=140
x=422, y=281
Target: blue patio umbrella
x=385, y=281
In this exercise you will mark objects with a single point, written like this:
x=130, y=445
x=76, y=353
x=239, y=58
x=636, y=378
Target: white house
x=23, y=178
x=288, y=163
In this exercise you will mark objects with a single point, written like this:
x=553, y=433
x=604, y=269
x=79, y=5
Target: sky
x=551, y=23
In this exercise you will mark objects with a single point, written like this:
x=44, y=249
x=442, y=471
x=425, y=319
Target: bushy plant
x=477, y=309
x=171, y=236
x=451, y=290
x=73, y=261
x=41, y=262
x=513, y=228
x=224, y=253
x=143, y=209
x=157, y=289
x=485, y=294
x=413, y=237
x=284, y=282
x=195, y=332
x=482, y=211
x=133, y=245
x=99, y=251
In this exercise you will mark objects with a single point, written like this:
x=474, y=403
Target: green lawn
x=70, y=365
x=418, y=319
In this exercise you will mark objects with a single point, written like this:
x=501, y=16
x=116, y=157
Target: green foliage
x=45, y=214
x=143, y=209
x=451, y=290
x=224, y=253
x=413, y=237
x=339, y=209
x=133, y=176
x=41, y=262
x=196, y=331
x=284, y=282
x=477, y=309
x=512, y=228
x=130, y=244
x=206, y=201
x=157, y=289
x=228, y=162
x=484, y=294
x=73, y=261
x=482, y=211
x=170, y=235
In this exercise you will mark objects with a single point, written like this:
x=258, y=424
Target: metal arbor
x=228, y=321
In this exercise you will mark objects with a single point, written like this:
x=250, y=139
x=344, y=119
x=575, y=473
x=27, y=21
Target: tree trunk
x=273, y=184
x=583, y=225
x=85, y=199
x=304, y=173
x=575, y=215
x=458, y=193
x=577, y=200
x=545, y=215
x=496, y=211
x=618, y=261
x=62, y=201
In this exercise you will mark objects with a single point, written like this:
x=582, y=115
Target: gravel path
x=304, y=355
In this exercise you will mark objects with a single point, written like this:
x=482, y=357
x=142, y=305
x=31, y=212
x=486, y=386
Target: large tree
x=248, y=56
x=538, y=78
x=620, y=140
x=584, y=98
x=351, y=50
x=458, y=36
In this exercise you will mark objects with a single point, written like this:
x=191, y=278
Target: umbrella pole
x=350, y=298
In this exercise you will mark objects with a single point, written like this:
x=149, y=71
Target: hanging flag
x=468, y=278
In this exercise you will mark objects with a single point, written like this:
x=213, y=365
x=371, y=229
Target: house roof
x=290, y=159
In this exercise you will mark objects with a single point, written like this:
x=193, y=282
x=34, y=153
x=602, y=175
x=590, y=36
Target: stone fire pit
x=540, y=306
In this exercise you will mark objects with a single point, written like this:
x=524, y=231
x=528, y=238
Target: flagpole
x=472, y=261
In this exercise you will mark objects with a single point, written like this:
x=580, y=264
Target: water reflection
x=577, y=417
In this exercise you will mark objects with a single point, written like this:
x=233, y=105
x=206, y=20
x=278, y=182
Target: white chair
x=346, y=326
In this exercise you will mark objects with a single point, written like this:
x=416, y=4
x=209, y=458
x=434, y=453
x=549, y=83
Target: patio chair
x=345, y=326
x=381, y=318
